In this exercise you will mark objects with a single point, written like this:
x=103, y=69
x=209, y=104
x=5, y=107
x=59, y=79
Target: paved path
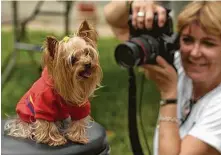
x=54, y=23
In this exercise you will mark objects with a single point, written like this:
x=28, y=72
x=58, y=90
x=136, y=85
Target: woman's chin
x=197, y=77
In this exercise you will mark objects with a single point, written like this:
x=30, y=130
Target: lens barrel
x=128, y=54
x=137, y=51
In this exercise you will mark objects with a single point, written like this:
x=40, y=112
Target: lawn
x=109, y=107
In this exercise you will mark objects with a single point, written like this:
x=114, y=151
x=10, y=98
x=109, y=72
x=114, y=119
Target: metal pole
x=11, y=63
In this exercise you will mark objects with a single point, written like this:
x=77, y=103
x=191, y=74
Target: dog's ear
x=87, y=32
x=51, y=45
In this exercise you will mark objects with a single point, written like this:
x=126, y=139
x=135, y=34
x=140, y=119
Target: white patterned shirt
x=204, y=120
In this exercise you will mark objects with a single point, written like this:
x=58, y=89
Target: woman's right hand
x=164, y=76
x=147, y=8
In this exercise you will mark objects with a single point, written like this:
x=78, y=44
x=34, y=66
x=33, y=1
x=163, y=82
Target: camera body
x=145, y=45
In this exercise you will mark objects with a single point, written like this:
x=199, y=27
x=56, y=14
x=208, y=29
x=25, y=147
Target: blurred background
x=24, y=29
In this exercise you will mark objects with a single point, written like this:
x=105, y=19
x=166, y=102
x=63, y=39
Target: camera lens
x=128, y=54
x=135, y=52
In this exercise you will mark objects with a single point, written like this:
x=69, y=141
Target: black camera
x=145, y=45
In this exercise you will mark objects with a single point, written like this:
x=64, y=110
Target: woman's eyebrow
x=204, y=38
x=209, y=38
x=186, y=35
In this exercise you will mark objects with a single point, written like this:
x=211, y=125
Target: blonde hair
x=204, y=13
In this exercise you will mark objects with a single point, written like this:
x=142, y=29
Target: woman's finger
x=149, y=16
x=152, y=67
x=146, y=73
x=141, y=18
x=162, y=16
x=156, y=70
x=135, y=10
x=162, y=62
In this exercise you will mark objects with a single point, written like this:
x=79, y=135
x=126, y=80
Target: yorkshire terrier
x=70, y=75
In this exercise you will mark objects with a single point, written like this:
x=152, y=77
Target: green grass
x=109, y=108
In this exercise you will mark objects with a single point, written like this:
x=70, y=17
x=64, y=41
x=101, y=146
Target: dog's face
x=74, y=65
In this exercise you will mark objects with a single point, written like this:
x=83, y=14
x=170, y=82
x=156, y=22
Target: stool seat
x=97, y=145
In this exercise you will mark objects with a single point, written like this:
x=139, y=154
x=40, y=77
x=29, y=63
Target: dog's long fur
x=74, y=89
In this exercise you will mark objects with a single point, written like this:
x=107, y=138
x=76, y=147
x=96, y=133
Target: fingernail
x=160, y=24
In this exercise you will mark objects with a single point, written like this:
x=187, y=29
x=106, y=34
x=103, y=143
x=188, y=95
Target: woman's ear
x=51, y=45
x=88, y=33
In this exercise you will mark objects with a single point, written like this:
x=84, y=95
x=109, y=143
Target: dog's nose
x=88, y=65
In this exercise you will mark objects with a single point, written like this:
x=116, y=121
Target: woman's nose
x=195, y=51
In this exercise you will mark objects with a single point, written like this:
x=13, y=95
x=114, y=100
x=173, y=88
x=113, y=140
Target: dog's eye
x=86, y=52
x=73, y=60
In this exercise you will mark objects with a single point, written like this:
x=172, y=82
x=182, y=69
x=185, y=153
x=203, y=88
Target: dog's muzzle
x=86, y=73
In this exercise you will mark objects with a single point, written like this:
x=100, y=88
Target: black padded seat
x=97, y=145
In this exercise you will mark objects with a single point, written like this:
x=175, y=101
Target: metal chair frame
x=19, y=32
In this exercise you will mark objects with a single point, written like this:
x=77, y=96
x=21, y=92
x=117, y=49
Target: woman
x=193, y=125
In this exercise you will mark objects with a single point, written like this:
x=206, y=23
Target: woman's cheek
x=185, y=49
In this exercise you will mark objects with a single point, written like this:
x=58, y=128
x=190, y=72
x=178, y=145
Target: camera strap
x=132, y=115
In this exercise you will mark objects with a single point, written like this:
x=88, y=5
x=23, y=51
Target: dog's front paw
x=47, y=133
x=77, y=131
x=59, y=140
x=77, y=138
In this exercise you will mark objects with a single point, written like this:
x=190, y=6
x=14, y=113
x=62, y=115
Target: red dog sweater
x=42, y=102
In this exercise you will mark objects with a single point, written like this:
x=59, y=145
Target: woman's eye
x=73, y=60
x=208, y=43
x=187, y=40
